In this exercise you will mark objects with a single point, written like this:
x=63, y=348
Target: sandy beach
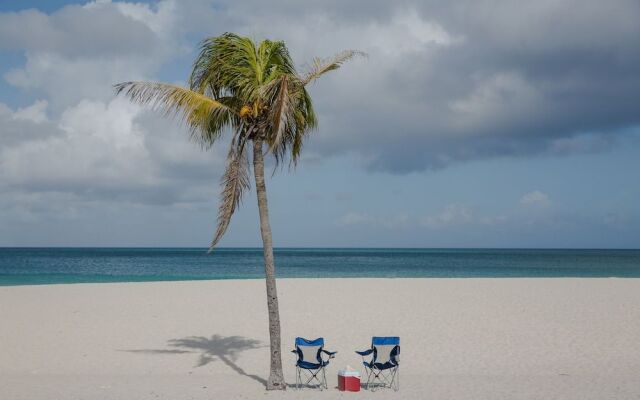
x=461, y=338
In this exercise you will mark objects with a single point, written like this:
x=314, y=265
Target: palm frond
x=320, y=66
x=205, y=116
x=227, y=65
x=233, y=65
x=281, y=111
x=306, y=121
x=234, y=182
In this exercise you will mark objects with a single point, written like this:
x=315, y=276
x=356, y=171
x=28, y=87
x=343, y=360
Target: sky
x=470, y=124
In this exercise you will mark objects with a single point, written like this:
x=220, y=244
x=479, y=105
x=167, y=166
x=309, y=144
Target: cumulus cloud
x=95, y=149
x=75, y=141
x=79, y=51
x=37, y=112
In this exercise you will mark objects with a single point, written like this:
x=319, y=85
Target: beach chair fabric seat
x=310, y=361
x=383, y=368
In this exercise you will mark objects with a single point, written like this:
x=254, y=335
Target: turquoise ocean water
x=26, y=266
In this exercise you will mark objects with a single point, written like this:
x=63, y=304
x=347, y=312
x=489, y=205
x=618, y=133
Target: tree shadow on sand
x=223, y=348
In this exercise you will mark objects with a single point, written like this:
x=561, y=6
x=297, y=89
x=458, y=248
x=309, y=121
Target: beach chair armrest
x=294, y=351
x=331, y=354
x=365, y=352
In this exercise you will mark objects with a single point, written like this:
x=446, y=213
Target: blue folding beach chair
x=310, y=361
x=382, y=368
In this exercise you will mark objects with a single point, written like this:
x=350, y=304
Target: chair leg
x=384, y=378
x=311, y=377
x=369, y=373
x=298, y=379
x=324, y=378
x=314, y=377
x=371, y=381
x=395, y=379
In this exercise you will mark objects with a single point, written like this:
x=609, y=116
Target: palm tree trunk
x=276, y=378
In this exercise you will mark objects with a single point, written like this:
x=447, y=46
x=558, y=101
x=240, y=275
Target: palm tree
x=253, y=91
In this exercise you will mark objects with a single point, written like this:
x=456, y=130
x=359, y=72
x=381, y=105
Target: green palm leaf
x=205, y=116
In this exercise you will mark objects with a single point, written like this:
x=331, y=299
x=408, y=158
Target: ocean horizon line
x=320, y=248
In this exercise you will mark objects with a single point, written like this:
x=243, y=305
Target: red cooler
x=348, y=381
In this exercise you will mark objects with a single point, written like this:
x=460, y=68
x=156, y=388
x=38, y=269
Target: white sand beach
x=461, y=338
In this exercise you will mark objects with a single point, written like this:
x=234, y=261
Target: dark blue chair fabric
x=309, y=358
x=384, y=352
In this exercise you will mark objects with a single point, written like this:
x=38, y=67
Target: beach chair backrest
x=385, y=349
x=309, y=350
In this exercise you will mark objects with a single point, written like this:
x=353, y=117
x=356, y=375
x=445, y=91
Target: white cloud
x=66, y=81
x=407, y=32
x=535, y=198
x=77, y=31
x=495, y=100
x=95, y=142
x=111, y=124
x=101, y=149
x=80, y=51
x=76, y=138
x=37, y=112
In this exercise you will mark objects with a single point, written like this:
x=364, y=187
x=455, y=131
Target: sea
x=34, y=266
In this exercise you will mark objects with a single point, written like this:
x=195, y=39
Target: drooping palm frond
x=305, y=122
x=205, y=117
x=290, y=116
x=281, y=96
x=320, y=66
x=234, y=182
